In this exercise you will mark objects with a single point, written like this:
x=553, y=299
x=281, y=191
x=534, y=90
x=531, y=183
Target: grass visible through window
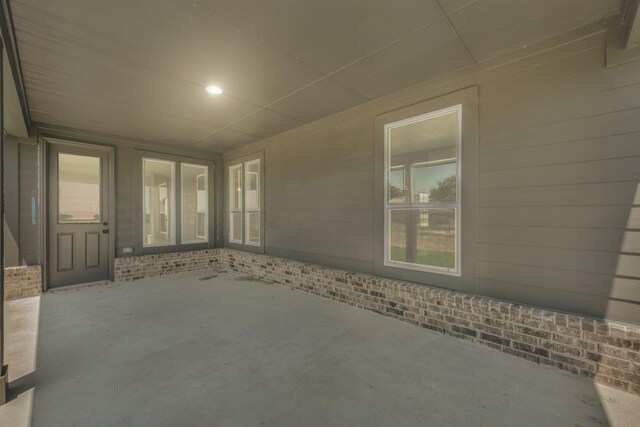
x=444, y=259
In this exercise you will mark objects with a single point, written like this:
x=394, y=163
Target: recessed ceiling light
x=214, y=90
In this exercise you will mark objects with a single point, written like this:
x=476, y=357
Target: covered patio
x=215, y=347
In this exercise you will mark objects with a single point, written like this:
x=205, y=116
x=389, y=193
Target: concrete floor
x=179, y=351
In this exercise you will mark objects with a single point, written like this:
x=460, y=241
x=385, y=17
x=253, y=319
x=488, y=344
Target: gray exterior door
x=78, y=214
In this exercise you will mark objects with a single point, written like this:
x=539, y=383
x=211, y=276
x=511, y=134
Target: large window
x=175, y=203
x=158, y=202
x=245, y=204
x=422, y=192
x=194, y=203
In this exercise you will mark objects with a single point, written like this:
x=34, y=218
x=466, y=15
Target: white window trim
x=206, y=204
x=246, y=209
x=457, y=206
x=172, y=219
x=241, y=202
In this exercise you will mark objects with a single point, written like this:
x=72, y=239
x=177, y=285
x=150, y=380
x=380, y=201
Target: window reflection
x=158, y=226
x=194, y=203
x=422, y=194
x=78, y=188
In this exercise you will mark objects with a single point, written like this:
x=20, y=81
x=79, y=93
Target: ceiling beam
x=631, y=17
x=623, y=34
x=9, y=39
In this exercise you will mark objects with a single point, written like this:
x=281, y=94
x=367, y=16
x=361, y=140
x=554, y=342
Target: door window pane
x=194, y=203
x=423, y=236
x=159, y=203
x=78, y=188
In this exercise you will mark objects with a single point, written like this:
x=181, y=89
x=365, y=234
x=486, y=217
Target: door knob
x=105, y=223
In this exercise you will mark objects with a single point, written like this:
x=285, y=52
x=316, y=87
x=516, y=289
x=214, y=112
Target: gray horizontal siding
x=126, y=194
x=30, y=238
x=603, y=239
x=618, y=217
x=11, y=203
x=585, y=150
x=580, y=283
x=595, y=171
x=602, y=262
x=558, y=201
x=602, y=125
x=590, y=194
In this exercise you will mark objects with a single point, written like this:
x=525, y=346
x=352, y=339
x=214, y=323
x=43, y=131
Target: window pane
x=252, y=184
x=158, y=202
x=235, y=226
x=194, y=203
x=434, y=183
x=428, y=148
x=425, y=237
x=235, y=187
x=397, y=189
x=78, y=188
x=253, y=228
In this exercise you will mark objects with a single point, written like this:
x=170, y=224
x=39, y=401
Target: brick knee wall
x=22, y=282
x=607, y=352
x=140, y=267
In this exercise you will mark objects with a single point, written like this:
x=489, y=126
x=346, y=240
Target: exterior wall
x=21, y=184
x=22, y=282
x=11, y=204
x=605, y=351
x=558, y=183
x=127, y=192
x=30, y=238
x=25, y=214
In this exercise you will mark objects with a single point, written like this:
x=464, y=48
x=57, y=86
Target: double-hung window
x=244, y=216
x=426, y=192
x=422, y=192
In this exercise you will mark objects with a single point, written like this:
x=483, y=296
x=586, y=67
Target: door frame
x=45, y=142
